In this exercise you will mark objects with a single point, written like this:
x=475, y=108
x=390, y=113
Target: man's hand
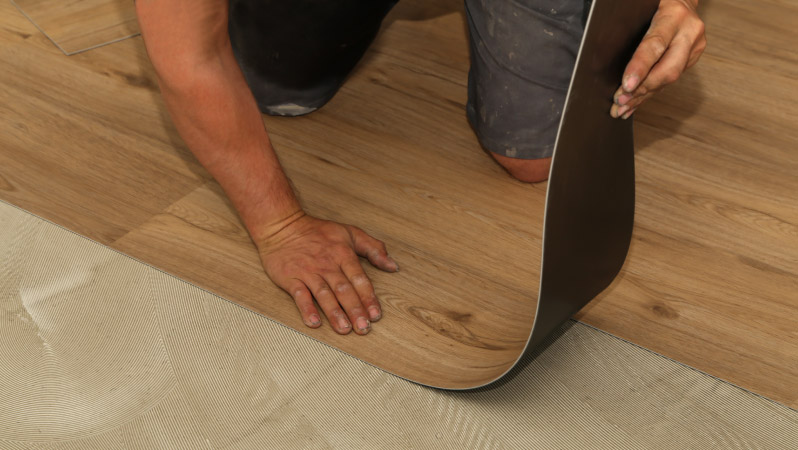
x=310, y=257
x=216, y=114
x=673, y=43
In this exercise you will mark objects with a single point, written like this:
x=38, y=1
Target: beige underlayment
x=75, y=26
x=102, y=351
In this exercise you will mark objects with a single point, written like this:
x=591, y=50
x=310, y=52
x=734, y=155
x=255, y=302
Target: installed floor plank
x=76, y=26
x=711, y=279
x=70, y=140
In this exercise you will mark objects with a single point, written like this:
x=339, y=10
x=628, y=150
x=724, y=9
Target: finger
x=372, y=249
x=652, y=47
x=347, y=297
x=304, y=301
x=617, y=111
x=669, y=68
x=365, y=290
x=621, y=97
x=619, y=101
x=698, y=50
x=329, y=304
x=633, y=104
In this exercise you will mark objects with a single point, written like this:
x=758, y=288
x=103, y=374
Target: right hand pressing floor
x=314, y=258
x=215, y=113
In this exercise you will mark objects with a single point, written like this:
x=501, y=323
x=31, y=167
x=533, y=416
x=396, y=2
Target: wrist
x=265, y=233
x=276, y=207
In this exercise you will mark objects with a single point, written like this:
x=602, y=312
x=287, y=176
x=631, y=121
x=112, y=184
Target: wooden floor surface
x=711, y=279
x=79, y=25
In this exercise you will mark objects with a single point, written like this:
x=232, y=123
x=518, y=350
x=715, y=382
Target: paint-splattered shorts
x=296, y=54
x=522, y=58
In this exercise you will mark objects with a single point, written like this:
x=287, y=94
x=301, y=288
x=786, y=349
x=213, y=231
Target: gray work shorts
x=522, y=57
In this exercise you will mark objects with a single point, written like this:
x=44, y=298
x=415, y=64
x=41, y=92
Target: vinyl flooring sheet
x=590, y=205
x=76, y=26
x=102, y=351
x=711, y=278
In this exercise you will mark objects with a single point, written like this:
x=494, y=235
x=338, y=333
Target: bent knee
x=526, y=170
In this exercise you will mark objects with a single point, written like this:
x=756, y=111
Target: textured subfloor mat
x=102, y=351
x=76, y=26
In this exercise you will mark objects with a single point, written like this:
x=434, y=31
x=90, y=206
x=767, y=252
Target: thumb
x=372, y=249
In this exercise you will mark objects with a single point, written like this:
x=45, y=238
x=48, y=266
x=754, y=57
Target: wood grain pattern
x=79, y=25
x=712, y=276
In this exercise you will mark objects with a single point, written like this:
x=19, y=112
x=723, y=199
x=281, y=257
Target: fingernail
x=395, y=266
x=622, y=110
x=630, y=84
x=623, y=99
x=374, y=313
x=628, y=115
x=314, y=319
x=343, y=323
x=362, y=324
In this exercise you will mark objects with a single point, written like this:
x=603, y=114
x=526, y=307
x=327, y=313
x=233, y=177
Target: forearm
x=213, y=108
x=217, y=117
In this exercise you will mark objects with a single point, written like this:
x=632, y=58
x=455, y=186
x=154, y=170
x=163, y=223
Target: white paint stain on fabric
x=290, y=109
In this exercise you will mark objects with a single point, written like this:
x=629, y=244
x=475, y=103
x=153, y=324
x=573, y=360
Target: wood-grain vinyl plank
x=66, y=134
x=79, y=25
x=456, y=318
x=711, y=278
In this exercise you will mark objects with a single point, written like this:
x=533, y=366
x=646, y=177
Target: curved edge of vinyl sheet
x=590, y=200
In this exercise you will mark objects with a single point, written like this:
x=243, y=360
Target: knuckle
x=700, y=27
x=671, y=77
x=343, y=288
x=360, y=279
x=657, y=44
